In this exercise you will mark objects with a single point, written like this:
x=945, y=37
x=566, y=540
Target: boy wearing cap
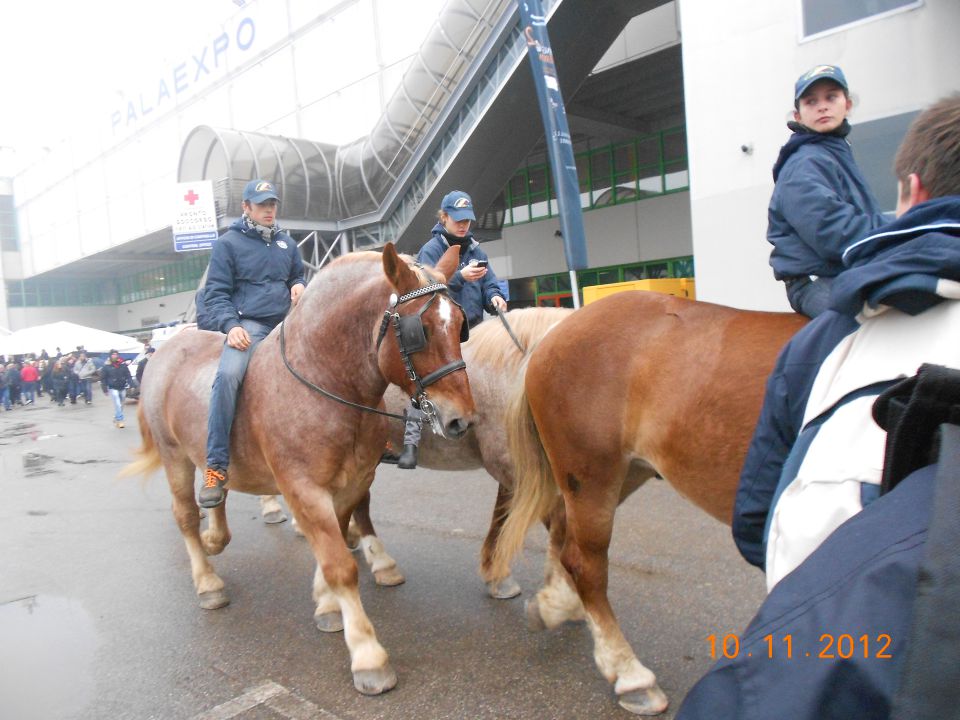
x=821, y=202
x=473, y=285
x=255, y=274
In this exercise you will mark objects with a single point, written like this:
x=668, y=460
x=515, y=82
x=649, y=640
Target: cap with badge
x=458, y=206
x=817, y=73
x=259, y=191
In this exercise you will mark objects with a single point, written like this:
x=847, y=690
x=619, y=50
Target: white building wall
x=740, y=61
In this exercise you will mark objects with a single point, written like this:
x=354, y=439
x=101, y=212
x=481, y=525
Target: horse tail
x=534, y=489
x=147, y=455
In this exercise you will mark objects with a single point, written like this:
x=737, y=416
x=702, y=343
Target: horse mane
x=425, y=275
x=491, y=346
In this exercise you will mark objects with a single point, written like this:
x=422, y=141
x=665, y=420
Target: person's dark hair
x=931, y=149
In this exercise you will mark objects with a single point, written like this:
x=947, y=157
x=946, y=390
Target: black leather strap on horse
x=326, y=393
x=506, y=326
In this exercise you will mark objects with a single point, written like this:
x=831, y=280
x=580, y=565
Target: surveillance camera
x=747, y=149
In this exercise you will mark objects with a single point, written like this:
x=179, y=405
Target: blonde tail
x=147, y=455
x=534, y=490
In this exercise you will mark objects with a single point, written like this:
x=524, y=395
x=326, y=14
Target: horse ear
x=401, y=276
x=449, y=262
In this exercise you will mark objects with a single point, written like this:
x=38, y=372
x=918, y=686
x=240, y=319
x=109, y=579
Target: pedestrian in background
x=86, y=371
x=115, y=379
x=28, y=378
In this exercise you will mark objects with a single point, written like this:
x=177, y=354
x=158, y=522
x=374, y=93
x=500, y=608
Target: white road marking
x=274, y=696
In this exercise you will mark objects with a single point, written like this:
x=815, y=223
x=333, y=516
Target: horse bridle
x=411, y=338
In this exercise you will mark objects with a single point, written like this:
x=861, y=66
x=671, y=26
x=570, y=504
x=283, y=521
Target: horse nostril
x=457, y=428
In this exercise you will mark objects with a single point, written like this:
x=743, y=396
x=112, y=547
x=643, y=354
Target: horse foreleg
x=500, y=588
x=336, y=582
x=207, y=583
x=217, y=535
x=590, y=506
x=271, y=510
x=383, y=567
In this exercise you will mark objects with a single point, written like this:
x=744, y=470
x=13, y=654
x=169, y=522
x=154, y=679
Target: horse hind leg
x=499, y=588
x=590, y=507
x=382, y=565
x=271, y=511
x=207, y=583
x=557, y=601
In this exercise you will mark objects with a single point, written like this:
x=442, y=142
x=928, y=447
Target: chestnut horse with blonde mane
x=318, y=452
x=634, y=385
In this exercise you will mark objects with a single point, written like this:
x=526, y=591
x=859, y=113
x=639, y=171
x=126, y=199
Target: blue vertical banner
x=559, y=145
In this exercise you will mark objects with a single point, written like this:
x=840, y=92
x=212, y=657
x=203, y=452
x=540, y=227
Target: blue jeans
x=28, y=391
x=118, y=397
x=5, y=396
x=86, y=389
x=810, y=297
x=226, y=388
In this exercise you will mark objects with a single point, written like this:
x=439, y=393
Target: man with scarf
x=473, y=285
x=821, y=202
x=255, y=274
x=843, y=560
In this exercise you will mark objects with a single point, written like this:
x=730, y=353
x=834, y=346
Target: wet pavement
x=98, y=617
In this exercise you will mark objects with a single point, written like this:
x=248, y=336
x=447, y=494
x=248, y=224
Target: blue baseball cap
x=458, y=205
x=258, y=191
x=817, y=73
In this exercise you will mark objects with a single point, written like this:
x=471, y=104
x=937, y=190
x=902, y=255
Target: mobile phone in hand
x=480, y=263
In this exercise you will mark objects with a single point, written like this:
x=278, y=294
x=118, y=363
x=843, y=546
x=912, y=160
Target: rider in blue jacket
x=842, y=560
x=255, y=274
x=473, y=285
x=821, y=202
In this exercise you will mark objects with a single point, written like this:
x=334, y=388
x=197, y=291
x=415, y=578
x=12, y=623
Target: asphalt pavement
x=98, y=616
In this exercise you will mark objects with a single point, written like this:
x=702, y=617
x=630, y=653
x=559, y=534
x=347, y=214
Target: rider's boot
x=408, y=458
x=212, y=492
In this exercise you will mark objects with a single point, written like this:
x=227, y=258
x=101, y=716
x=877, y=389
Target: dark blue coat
x=820, y=204
x=899, y=265
x=855, y=592
x=475, y=297
x=251, y=278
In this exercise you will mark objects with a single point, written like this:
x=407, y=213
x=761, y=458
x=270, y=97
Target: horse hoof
x=534, y=621
x=213, y=600
x=503, y=589
x=645, y=701
x=274, y=517
x=330, y=622
x=376, y=681
x=389, y=577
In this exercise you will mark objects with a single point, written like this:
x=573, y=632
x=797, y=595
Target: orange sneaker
x=212, y=493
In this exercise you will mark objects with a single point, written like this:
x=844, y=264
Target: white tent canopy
x=67, y=336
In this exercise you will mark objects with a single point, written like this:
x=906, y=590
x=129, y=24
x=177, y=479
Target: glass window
x=822, y=15
x=874, y=145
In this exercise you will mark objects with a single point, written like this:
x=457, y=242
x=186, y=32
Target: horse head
x=421, y=338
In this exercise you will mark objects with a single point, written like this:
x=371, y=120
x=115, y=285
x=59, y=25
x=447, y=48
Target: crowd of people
x=67, y=378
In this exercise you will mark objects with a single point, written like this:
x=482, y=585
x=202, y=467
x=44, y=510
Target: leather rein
x=408, y=342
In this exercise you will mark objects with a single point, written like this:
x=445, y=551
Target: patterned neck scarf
x=265, y=232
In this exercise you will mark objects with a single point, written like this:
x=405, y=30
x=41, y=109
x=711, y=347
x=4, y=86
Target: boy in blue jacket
x=821, y=202
x=255, y=274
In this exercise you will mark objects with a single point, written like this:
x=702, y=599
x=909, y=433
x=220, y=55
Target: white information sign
x=195, y=218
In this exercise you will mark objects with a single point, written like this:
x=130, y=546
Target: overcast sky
x=66, y=59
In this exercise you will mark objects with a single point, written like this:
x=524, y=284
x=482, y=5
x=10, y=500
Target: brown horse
x=634, y=385
x=320, y=453
x=494, y=364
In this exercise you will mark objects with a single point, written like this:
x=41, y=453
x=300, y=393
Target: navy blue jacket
x=820, y=204
x=855, y=592
x=475, y=297
x=251, y=278
x=900, y=266
x=114, y=377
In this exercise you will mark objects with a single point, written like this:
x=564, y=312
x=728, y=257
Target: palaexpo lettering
x=184, y=76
